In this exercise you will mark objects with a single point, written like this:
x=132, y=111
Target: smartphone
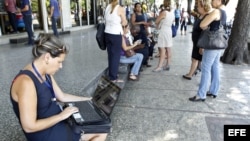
x=78, y=118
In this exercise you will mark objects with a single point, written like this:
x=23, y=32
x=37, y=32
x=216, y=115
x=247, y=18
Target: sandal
x=117, y=81
x=187, y=77
x=157, y=56
x=133, y=78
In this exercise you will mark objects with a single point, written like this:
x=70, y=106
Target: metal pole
x=87, y=9
x=80, y=11
x=45, y=16
x=154, y=9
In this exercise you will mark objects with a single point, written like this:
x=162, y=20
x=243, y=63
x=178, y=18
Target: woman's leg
x=208, y=59
x=193, y=68
x=137, y=65
x=182, y=25
x=136, y=59
x=113, y=43
x=162, y=51
x=93, y=137
x=168, y=52
x=185, y=28
x=215, y=76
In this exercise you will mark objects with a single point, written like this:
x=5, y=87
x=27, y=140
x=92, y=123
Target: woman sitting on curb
x=35, y=94
x=135, y=59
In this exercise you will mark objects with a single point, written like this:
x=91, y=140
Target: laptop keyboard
x=87, y=111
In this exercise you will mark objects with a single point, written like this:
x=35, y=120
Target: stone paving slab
x=145, y=124
x=216, y=125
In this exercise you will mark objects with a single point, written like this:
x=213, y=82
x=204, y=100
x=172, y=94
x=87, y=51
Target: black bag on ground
x=100, y=36
x=100, y=127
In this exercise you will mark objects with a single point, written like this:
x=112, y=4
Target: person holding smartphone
x=136, y=59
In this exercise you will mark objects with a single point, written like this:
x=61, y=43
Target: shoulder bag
x=213, y=39
x=100, y=36
x=129, y=53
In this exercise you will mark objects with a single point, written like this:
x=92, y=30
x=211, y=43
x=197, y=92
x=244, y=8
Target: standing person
x=140, y=18
x=184, y=21
x=177, y=14
x=128, y=9
x=161, y=8
x=196, y=54
x=165, y=41
x=35, y=94
x=221, y=4
x=210, y=73
x=144, y=7
x=115, y=18
x=54, y=15
x=27, y=18
x=10, y=6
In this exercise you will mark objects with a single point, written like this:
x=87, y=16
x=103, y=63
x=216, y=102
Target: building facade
x=74, y=13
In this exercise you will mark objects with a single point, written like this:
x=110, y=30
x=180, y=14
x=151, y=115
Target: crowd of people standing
x=210, y=13
x=14, y=7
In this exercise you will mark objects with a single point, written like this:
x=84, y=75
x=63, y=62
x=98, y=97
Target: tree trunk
x=238, y=50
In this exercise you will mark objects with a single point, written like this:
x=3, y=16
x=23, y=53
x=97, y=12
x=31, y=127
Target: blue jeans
x=27, y=19
x=136, y=59
x=54, y=27
x=114, y=47
x=209, y=73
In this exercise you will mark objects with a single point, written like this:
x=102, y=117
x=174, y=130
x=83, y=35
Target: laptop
x=88, y=113
x=100, y=107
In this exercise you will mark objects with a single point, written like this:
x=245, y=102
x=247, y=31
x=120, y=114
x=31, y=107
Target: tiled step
x=19, y=40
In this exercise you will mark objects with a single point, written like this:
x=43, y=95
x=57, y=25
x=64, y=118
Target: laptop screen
x=106, y=95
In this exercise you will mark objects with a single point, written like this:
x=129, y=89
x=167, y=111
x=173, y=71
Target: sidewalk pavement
x=156, y=108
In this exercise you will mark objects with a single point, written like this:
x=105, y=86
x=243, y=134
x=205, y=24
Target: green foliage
x=34, y=5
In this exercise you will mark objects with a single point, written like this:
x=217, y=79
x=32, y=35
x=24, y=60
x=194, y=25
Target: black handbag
x=213, y=39
x=100, y=36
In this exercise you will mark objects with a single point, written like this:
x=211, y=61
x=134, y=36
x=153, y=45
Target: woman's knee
x=140, y=56
x=93, y=137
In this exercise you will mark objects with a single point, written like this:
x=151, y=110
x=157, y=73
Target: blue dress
x=143, y=36
x=46, y=108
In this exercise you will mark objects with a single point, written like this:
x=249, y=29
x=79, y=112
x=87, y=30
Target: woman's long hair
x=206, y=4
x=225, y=2
x=113, y=4
x=48, y=43
x=167, y=5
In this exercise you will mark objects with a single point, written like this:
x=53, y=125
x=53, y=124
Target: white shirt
x=113, y=21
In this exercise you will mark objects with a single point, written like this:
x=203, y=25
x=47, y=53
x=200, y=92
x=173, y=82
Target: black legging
x=184, y=24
